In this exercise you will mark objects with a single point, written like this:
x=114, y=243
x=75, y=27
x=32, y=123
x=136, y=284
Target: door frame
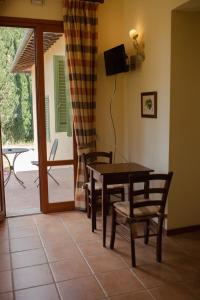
x=41, y=26
x=2, y=192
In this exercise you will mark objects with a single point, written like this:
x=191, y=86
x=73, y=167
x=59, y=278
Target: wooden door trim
x=40, y=95
x=2, y=191
x=61, y=206
x=60, y=162
x=30, y=23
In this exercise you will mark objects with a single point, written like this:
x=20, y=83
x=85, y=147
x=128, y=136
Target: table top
x=14, y=150
x=118, y=168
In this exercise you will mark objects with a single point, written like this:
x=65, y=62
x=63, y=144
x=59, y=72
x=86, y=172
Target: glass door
x=58, y=124
x=56, y=140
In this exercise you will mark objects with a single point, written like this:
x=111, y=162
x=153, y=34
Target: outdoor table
x=16, y=152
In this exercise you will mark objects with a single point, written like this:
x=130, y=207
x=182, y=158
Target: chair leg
x=93, y=210
x=87, y=204
x=113, y=228
x=132, y=233
x=89, y=210
x=108, y=205
x=36, y=179
x=53, y=179
x=123, y=195
x=159, y=240
x=146, y=232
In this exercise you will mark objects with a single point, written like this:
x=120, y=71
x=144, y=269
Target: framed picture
x=149, y=104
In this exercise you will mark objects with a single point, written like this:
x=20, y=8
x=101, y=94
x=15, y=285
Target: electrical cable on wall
x=115, y=62
x=122, y=156
x=112, y=119
x=113, y=124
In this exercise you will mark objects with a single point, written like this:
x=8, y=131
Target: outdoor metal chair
x=51, y=158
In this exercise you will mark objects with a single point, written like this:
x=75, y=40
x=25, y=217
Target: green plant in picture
x=148, y=104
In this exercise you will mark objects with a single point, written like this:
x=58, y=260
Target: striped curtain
x=80, y=27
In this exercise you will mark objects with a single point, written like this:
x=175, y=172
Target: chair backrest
x=99, y=157
x=53, y=150
x=154, y=191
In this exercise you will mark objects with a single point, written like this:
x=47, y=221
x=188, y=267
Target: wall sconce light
x=139, y=56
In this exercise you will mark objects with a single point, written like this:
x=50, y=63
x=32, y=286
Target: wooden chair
x=117, y=189
x=145, y=204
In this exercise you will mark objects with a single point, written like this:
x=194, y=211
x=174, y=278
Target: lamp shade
x=133, y=34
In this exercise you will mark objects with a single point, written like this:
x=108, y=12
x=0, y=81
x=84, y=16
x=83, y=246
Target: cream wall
x=138, y=139
x=52, y=10
x=185, y=133
x=110, y=34
x=147, y=140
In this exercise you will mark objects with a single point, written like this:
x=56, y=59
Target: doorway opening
x=42, y=164
x=18, y=125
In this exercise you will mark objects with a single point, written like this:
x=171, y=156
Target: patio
x=22, y=201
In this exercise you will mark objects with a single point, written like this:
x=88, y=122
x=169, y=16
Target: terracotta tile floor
x=53, y=257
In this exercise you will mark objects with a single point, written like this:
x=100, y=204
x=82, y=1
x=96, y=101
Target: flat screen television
x=115, y=60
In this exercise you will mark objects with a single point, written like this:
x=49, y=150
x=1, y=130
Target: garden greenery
x=15, y=91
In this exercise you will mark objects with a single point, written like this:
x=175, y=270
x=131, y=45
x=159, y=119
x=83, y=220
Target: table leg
x=14, y=173
x=9, y=171
x=92, y=200
x=104, y=211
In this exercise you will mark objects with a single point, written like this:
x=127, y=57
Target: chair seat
x=35, y=163
x=98, y=186
x=124, y=207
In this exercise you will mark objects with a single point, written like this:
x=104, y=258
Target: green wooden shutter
x=61, y=94
x=47, y=118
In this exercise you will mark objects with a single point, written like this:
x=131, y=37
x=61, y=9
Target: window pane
x=58, y=110
x=61, y=184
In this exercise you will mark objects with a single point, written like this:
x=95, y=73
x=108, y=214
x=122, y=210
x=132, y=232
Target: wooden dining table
x=115, y=173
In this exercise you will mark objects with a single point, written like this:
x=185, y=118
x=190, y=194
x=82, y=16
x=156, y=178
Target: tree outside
x=15, y=91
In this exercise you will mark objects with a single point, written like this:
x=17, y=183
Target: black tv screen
x=115, y=60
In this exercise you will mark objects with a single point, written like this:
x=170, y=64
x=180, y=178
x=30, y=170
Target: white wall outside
x=65, y=143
